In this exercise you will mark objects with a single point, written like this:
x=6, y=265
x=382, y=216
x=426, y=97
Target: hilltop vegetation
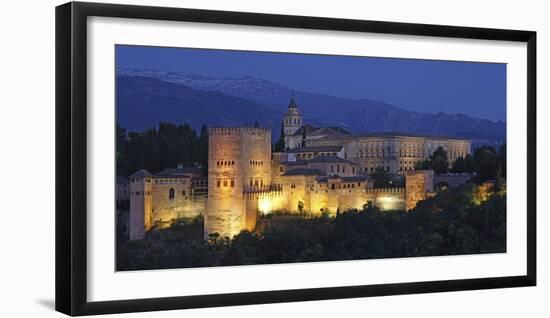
x=462, y=220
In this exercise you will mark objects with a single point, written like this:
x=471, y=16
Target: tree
x=381, y=178
x=437, y=162
x=422, y=165
x=487, y=163
x=464, y=164
x=440, y=165
x=280, y=144
x=202, y=146
x=159, y=148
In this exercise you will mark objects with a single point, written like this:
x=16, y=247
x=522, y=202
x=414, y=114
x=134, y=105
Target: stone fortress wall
x=322, y=170
x=392, y=151
x=156, y=200
x=239, y=162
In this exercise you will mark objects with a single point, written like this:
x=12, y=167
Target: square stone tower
x=141, y=204
x=239, y=161
x=418, y=186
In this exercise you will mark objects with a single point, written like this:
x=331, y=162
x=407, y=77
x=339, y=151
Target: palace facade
x=321, y=170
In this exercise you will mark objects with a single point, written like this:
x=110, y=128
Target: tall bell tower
x=292, y=121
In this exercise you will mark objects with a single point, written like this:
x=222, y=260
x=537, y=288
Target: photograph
x=232, y=158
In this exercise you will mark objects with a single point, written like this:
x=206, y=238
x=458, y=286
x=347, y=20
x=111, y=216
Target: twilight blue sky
x=476, y=89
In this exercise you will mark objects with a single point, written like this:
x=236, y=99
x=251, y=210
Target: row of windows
x=225, y=163
x=134, y=180
x=338, y=169
x=303, y=156
x=170, y=181
x=172, y=193
x=225, y=183
x=295, y=121
x=140, y=193
x=372, y=168
x=256, y=162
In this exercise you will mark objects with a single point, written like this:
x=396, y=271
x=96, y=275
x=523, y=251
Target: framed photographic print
x=209, y=158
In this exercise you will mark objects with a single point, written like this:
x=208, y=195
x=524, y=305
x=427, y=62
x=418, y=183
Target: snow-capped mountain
x=248, y=99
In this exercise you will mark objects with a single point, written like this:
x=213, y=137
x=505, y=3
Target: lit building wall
x=395, y=153
x=141, y=214
x=173, y=199
x=239, y=162
x=418, y=186
x=387, y=198
x=294, y=191
x=277, y=168
x=225, y=210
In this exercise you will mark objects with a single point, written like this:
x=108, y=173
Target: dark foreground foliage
x=450, y=223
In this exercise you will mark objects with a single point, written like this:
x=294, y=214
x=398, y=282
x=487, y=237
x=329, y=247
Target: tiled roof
x=295, y=163
x=354, y=178
x=344, y=179
x=304, y=172
x=320, y=131
x=141, y=174
x=390, y=135
x=178, y=172
x=292, y=103
x=330, y=159
x=316, y=149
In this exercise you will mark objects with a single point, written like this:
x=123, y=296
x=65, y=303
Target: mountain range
x=145, y=97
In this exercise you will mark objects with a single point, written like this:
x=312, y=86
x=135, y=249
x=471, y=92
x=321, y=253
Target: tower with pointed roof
x=292, y=121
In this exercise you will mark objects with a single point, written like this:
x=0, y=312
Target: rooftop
x=292, y=103
x=141, y=174
x=316, y=149
x=391, y=135
x=311, y=130
x=330, y=159
x=343, y=179
x=179, y=172
x=304, y=172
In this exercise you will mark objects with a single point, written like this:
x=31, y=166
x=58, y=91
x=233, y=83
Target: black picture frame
x=71, y=157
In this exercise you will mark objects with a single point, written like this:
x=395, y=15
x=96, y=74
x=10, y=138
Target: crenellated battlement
x=238, y=130
x=385, y=190
x=266, y=189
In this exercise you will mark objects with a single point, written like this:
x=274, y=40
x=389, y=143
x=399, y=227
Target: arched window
x=171, y=193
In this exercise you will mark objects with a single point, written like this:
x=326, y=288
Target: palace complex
x=321, y=170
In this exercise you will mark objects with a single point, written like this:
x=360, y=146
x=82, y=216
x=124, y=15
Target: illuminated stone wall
x=418, y=186
x=394, y=153
x=277, y=167
x=294, y=191
x=141, y=207
x=387, y=198
x=183, y=204
x=239, y=161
